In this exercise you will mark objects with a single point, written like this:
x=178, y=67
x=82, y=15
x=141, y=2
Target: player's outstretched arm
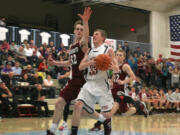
x=67, y=63
x=85, y=18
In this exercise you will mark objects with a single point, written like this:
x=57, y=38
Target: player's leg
x=65, y=117
x=106, y=103
x=57, y=116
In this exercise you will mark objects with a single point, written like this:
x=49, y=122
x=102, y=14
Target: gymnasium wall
x=115, y=20
x=160, y=31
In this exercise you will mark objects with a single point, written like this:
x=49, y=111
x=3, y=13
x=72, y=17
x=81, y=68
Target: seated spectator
x=17, y=70
x=155, y=99
x=169, y=98
x=50, y=84
x=43, y=66
x=162, y=98
x=142, y=95
x=5, y=46
x=7, y=69
x=34, y=59
x=38, y=99
x=13, y=48
x=10, y=81
x=36, y=79
x=63, y=75
x=28, y=52
x=26, y=90
x=5, y=94
x=21, y=56
x=28, y=70
x=175, y=98
x=132, y=94
x=9, y=60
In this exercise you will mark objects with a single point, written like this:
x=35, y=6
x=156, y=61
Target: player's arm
x=85, y=62
x=85, y=18
x=126, y=68
x=66, y=63
x=114, y=63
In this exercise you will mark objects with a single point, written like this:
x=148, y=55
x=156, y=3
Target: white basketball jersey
x=93, y=73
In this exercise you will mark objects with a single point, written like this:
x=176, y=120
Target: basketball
x=103, y=62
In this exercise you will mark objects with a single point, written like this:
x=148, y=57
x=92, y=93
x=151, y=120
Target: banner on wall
x=3, y=33
x=109, y=42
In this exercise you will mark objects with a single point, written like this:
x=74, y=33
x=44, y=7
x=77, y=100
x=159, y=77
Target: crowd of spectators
x=26, y=73
x=157, y=81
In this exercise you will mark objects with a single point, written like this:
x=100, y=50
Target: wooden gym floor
x=164, y=124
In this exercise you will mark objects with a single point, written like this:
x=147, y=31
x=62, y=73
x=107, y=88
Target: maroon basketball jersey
x=119, y=76
x=76, y=55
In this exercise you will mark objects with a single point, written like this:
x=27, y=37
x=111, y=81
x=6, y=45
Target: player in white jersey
x=96, y=89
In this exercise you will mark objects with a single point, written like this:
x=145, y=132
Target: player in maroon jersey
x=77, y=50
x=118, y=81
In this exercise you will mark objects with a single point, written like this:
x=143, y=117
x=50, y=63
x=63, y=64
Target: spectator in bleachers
x=34, y=59
x=38, y=99
x=8, y=108
x=51, y=44
x=10, y=81
x=170, y=71
x=155, y=98
x=9, y=60
x=169, y=63
x=175, y=78
x=43, y=67
x=140, y=68
x=48, y=82
x=160, y=59
x=21, y=56
x=169, y=99
x=137, y=51
x=63, y=76
x=126, y=48
x=25, y=42
x=133, y=63
x=54, y=53
x=162, y=98
x=175, y=98
x=7, y=69
x=164, y=76
x=5, y=46
x=13, y=48
x=36, y=79
x=142, y=95
x=42, y=51
x=28, y=71
x=28, y=52
x=119, y=47
x=3, y=21
x=158, y=75
x=17, y=70
x=26, y=90
x=132, y=94
x=32, y=45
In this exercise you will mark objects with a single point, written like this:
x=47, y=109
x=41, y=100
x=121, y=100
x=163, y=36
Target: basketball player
x=96, y=88
x=119, y=81
x=70, y=92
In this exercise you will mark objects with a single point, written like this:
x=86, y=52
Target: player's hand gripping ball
x=103, y=62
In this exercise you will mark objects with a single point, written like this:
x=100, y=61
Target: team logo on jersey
x=74, y=50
